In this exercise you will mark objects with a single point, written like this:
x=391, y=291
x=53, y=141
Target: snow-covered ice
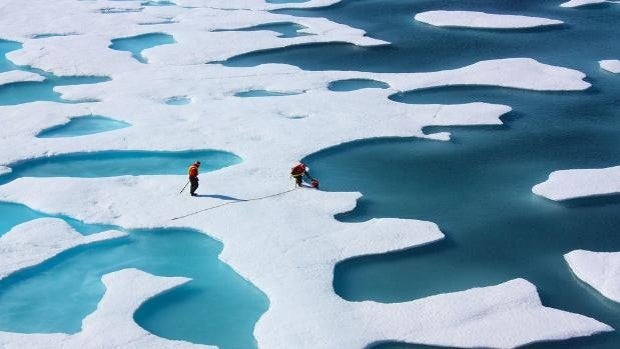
x=139, y=104
x=306, y=256
x=14, y=76
x=579, y=3
x=262, y=239
x=36, y=241
x=112, y=324
x=611, y=65
x=197, y=38
x=572, y=184
x=473, y=19
x=601, y=270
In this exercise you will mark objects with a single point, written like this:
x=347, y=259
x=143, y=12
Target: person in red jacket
x=193, y=178
x=298, y=173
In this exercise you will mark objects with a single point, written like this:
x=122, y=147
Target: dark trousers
x=299, y=179
x=193, y=185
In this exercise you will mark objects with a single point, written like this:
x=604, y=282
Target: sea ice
x=473, y=19
x=33, y=242
x=83, y=125
x=600, y=270
x=579, y=3
x=14, y=76
x=306, y=256
x=140, y=105
x=112, y=324
x=266, y=244
x=611, y=65
x=199, y=40
x=571, y=184
x=256, y=4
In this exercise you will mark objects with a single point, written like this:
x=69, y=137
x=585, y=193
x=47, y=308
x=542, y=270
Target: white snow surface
x=14, y=76
x=36, y=241
x=5, y=170
x=263, y=240
x=601, y=270
x=578, y=183
x=474, y=19
x=264, y=126
x=611, y=65
x=579, y=3
x=192, y=28
x=306, y=256
x=111, y=325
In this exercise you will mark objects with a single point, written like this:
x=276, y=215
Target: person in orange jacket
x=193, y=178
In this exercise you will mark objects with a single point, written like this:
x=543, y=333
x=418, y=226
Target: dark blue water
x=584, y=39
x=477, y=187
x=83, y=125
x=25, y=92
x=119, y=163
x=137, y=44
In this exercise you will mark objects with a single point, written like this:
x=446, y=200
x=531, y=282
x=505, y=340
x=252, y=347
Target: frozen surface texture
x=14, y=76
x=306, y=256
x=572, y=184
x=33, y=242
x=579, y=3
x=472, y=19
x=263, y=240
x=140, y=105
x=112, y=324
x=601, y=270
x=611, y=65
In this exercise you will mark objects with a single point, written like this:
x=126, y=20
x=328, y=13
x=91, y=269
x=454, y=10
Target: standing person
x=193, y=178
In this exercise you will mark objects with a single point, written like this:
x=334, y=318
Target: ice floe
x=112, y=324
x=255, y=4
x=307, y=254
x=14, y=76
x=198, y=39
x=292, y=263
x=139, y=104
x=611, y=65
x=578, y=183
x=473, y=19
x=36, y=241
x=579, y=3
x=601, y=270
